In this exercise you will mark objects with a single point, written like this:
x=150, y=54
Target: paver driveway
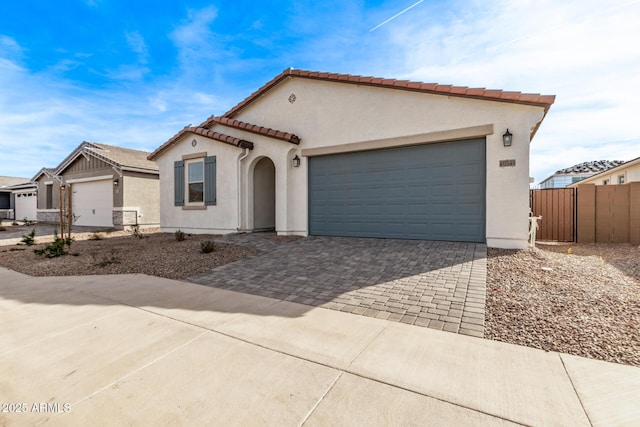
x=440, y=285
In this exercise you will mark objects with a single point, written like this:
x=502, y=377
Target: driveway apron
x=436, y=284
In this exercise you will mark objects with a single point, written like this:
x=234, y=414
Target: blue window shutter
x=210, y=180
x=178, y=183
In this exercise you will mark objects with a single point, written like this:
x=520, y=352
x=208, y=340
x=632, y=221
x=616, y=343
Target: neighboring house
x=621, y=174
x=25, y=198
x=342, y=155
x=576, y=173
x=7, y=196
x=111, y=187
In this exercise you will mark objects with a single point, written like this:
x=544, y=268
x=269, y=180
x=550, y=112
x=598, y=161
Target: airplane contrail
x=395, y=16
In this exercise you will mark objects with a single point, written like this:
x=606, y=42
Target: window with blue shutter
x=210, y=180
x=178, y=183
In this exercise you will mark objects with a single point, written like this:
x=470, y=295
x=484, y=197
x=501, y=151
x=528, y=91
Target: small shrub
x=14, y=223
x=29, y=239
x=56, y=248
x=28, y=222
x=207, y=246
x=95, y=236
x=3, y=228
x=179, y=235
x=136, y=232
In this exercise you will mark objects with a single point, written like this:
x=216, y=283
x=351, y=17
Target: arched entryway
x=264, y=195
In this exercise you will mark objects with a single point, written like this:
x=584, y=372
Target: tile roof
x=260, y=130
x=8, y=181
x=611, y=170
x=120, y=157
x=593, y=167
x=204, y=132
x=544, y=101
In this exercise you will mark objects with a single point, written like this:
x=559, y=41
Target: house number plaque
x=509, y=162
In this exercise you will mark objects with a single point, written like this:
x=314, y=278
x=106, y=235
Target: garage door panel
x=434, y=191
x=93, y=203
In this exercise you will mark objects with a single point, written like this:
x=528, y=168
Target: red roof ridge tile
x=249, y=127
x=544, y=101
x=207, y=133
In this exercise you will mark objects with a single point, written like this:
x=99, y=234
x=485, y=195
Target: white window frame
x=621, y=179
x=187, y=181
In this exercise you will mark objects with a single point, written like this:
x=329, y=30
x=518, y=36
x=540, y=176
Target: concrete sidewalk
x=134, y=349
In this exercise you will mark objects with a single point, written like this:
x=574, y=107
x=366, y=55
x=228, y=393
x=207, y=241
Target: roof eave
x=227, y=139
x=543, y=101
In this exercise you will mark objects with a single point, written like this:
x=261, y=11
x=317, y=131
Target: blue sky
x=133, y=73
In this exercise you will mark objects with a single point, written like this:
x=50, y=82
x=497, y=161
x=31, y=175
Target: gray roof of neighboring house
x=592, y=167
x=122, y=158
x=8, y=181
x=50, y=172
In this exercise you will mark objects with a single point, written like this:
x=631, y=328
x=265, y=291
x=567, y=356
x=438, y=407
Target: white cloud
x=582, y=51
x=138, y=45
x=194, y=36
x=43, y=117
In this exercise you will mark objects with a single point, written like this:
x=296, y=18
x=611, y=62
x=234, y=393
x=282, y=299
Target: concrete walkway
x=440, y=285
x=134, y=349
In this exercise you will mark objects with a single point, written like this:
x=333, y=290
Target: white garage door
x=26, y=205
x=93, y=203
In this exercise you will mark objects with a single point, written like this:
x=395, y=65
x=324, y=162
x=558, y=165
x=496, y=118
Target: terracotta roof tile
x=207, y=133
x=260, y=130
x=544, y=101
x=462, y=90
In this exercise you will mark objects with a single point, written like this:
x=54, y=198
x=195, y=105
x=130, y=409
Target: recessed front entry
x=430, y=191
x=264, y=195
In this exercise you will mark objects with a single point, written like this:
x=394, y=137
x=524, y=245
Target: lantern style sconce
x=296, y=161
x=507, y=138
x=116, y=182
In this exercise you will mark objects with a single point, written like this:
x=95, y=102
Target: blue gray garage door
x=430, y=191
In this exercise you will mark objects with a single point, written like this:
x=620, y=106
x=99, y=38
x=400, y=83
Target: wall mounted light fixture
x=507, y=138
x=296, y=161
x=116, y=182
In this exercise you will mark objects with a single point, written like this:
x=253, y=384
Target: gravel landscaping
x=156, y=254
x=586, y=302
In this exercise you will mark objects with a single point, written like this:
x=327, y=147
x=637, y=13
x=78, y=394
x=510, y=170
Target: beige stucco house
x=621, y=174
x=110, y=187
x=314, y=153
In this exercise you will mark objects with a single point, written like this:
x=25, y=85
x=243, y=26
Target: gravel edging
x=155, y=254
x=585, y=303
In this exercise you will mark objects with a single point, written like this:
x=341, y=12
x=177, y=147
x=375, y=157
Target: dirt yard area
x=578, y=299
x=156, y=254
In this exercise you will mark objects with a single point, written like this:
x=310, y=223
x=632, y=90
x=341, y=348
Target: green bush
x=3, y=228
x=207, y=246
x=95, y=236
x=29, y=239
x=56, y=248
x=179, y=235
